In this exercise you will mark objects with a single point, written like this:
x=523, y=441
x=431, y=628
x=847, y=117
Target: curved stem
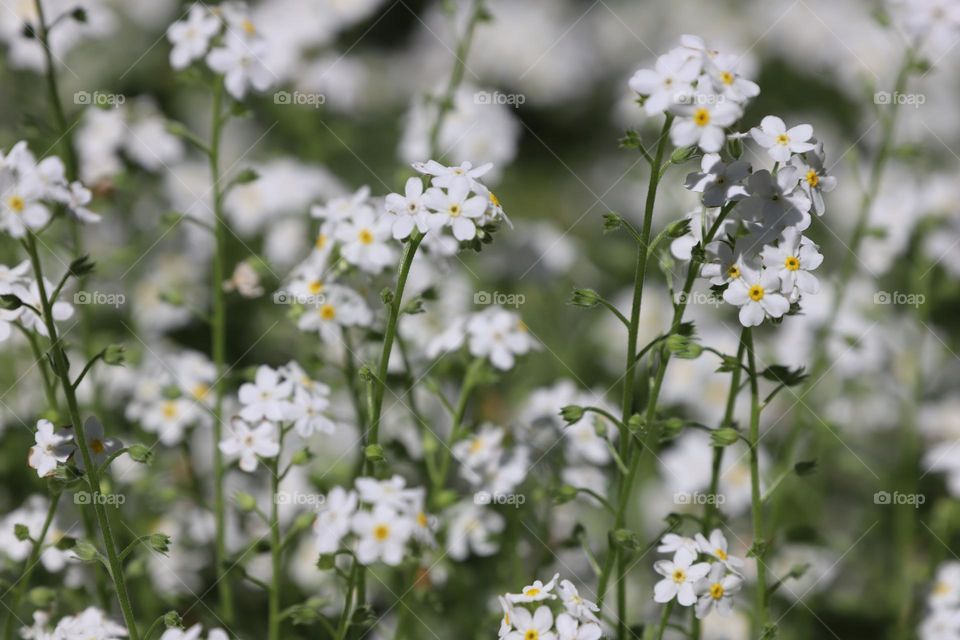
x=61, y=368
x=276, y=550
x=218, y=340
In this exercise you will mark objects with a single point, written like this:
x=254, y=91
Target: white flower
x=191, y=37
x=946, y=586
x=408, y=209
x=670, y=82
x=446, y=177
x=21, y=207
x=781, y=142
x=717, y=590
x=383, y=535
x=718, y=181
x=471, y=529
x=240, y=61
x=680, y=576
x=90, y=624
x=535, y=592
x=793, y=259
x=308, y=410
x=51, y=448
x=673, y=543
x=341, y=307
x=364, y=240
x=480, y=449
x=13, y=276
x=169, y=418
x=575, y=604
x=536, y=626
x=569, y=628
x=100, y=446
x=716, y=546
x=814, y=181
x=267, y=397
x=245, y=281
x=756, y=292
x=339, y=209
x=506, y=622
x=774, y=201
x=455, y=207
x=727, y=81
x=702, y=120
x=77, y=197
x=498, y=335
x=726, y=263
x=247, y=444
x=387, y=493
x=333, y=521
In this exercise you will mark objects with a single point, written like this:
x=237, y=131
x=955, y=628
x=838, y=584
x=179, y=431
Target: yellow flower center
x=495, y=200
x=422, y=520
x=248, y=27
x=476, y=445
x=169, y=410
x=941, y=588
x=531, y=634
x=454, y=210
x=381, y=532
x=16, y=203
x=200, y=391
x=727, y=78
x=756, y=293
x=315, y=287
x=679, y=576
x=701, y=117
x=365, y=236
x=733, y=272
x=321, y=241
x=720, y=553
x=812, y=178
x=97, y=446
x=531, y=591
x=783, y=139
x=716, y=591
x=328, y=312
x=792, y=263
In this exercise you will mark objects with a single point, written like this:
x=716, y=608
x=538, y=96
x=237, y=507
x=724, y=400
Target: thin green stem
x=62, y=369
x=276, y=550
x=219, y=340
x=756, y=503
x=664, y=620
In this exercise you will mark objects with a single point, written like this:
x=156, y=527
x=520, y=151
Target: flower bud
x=565, y=494
x=572, y=413
x=724, y=437
x=159, y=542
x=172, y=620
x=140, y=453
x=374, y=453
x=682, y=154
x=113, y=355
x=585, y=298
x=245, y=502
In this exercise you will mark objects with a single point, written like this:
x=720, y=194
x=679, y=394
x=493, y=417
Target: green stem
x=276, y=549
x=219, y=348
x=664, y=619
x=456, y=431
x=62, y=369
x=756, y=503
x=393, y=316
x=28, y=567
x=712, y=509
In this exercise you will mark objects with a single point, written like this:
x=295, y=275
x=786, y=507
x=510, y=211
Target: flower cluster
x=760, y=259
x=494, y=334
x=227, y=39
x=549, y=612
x=28, y=188
x=54, y=447
x=276, y=400
x=90, y=623
x=709, y=584
x=378, y=520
